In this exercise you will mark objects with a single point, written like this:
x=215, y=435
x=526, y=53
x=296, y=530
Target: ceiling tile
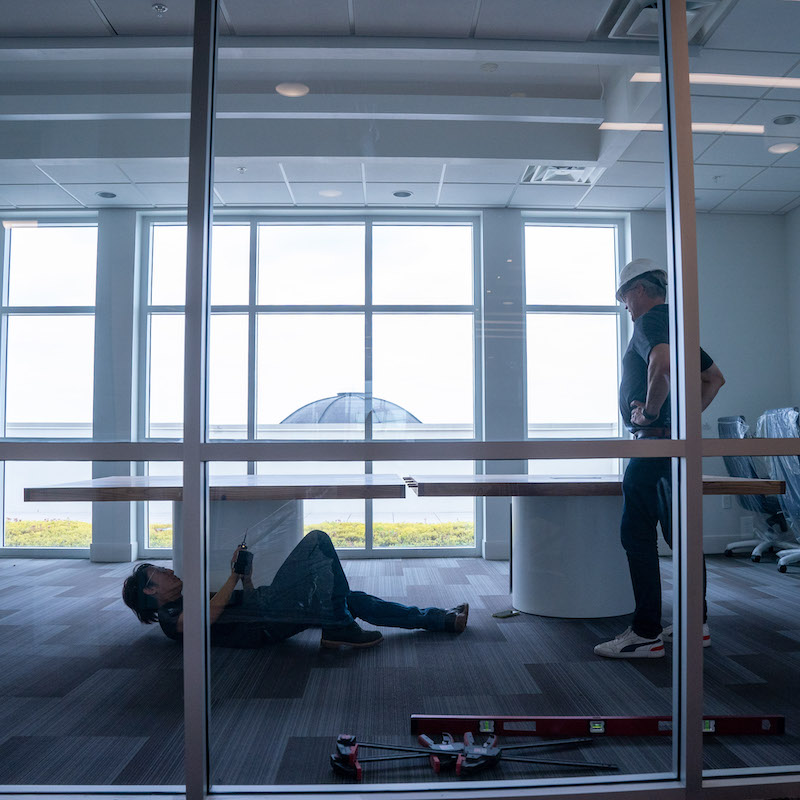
x=82, y=170
x=717, y=109
x=548, y=20
x=618, y=197
x=733, y=62
x=496, y=171
x=253, y=193
x=38, y=196
x=165, y=194
x=52, y=18
x=414, y=18
x=322, y=169
x=764, y=111
x=739, y=150
x=706, y=199
x=140, y=19
x=21, y=171
x=476, y=194
x=352, y=194
x=722, y=176
x=395, y=170
x=547, y=196
x=155, y=170
x=749, y=26
x=126, y=194
x=758, y=202
x=780, y=179
x=421, y=194
x=258, y=170
x=633, y=173
x=288, y=17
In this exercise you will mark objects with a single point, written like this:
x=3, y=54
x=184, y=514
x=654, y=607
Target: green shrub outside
x=71, y=533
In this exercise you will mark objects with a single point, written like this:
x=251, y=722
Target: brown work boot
x=352, y=635
x=455, y=619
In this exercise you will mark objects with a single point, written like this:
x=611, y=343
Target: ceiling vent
x=563, y=175
x=639, y=19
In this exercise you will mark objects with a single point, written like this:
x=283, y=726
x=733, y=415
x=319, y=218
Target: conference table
x=566, y=557
x=268, y=507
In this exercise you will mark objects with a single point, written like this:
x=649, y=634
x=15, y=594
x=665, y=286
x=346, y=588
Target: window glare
x=168, y=273
x=570, y=265
x=166, y=375
x=53, y=266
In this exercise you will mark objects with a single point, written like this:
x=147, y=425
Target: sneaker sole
x=333, y=645
x=656, y=652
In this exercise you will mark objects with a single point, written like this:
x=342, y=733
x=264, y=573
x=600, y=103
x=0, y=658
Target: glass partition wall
x=383, y=249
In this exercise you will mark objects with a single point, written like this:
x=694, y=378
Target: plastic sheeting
x=747, y=467
x=781, y=423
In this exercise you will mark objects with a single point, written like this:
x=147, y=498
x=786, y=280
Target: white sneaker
x=666, y=635
x=629, y=645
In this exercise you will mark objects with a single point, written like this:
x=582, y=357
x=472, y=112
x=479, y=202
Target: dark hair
x=143, y=605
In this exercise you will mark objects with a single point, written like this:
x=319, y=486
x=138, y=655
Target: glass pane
x=165, y=408
x=423, y=364
x=558, y=403
x=422, y=522
x=52, y=266
x=230, y=265
x=227, y=376
x=310, y=264
x=41, y=523
x=570, y=265
x=310, y=376
x=422, y=264
x=168, y=271
x=49, y=374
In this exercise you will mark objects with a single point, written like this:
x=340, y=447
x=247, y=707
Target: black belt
x=652, y=433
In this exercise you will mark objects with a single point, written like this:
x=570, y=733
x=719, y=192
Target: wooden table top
x=566, y=485
x=227, y=487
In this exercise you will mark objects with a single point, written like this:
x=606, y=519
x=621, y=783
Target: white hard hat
x=639, y=266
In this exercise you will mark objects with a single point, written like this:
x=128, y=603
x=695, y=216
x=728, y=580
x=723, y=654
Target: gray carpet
x=90, y=696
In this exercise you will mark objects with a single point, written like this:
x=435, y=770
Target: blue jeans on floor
x=311, y=590
x=640, y=540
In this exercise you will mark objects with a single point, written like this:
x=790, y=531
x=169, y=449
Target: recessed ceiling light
x=106, y=195
x=159, y=9
x=330, y=193
x=785, y=119
x=783, y=147
x=402, y=193
x=241, y=170
x=697, y=127
x=292, y=89
x=489, y=66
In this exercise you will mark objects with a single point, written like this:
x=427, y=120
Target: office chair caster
x=756, y=559
x=782, y=568
x=729, y=553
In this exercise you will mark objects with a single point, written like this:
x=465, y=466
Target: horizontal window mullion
x=750, y=447
x=47, y=310
x=83, y=450
x=561, y=309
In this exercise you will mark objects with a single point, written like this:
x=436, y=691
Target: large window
x=48, y=357
x=322, y=330
x=573, y=336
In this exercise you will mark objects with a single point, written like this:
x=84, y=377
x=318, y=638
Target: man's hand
x=637, y=415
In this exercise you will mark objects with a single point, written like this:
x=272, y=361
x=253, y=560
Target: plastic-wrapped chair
x=769, y=524
x=776, y=424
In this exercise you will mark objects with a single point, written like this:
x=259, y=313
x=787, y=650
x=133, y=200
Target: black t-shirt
x=649, y=330
x=234, y=628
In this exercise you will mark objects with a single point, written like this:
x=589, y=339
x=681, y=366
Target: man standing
x=645, y=407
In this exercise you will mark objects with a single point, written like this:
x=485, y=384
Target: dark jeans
x=311, y=590
x=639, y=538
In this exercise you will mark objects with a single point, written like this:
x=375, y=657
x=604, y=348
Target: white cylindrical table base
x=567, y=560
x=282, y=530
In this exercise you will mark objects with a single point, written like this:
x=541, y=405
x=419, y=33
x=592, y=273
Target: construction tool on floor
x=464, y=757
x=721, y=725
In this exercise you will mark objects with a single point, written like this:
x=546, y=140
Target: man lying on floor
x=309, y=590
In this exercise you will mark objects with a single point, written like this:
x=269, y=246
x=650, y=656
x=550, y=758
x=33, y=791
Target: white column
x=504, y=361
x=115, y=360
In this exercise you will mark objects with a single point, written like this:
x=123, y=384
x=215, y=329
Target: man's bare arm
x=711, y=381
x=218, y=602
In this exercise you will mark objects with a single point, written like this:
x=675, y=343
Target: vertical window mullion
x=368, y=354
x=251, y=341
